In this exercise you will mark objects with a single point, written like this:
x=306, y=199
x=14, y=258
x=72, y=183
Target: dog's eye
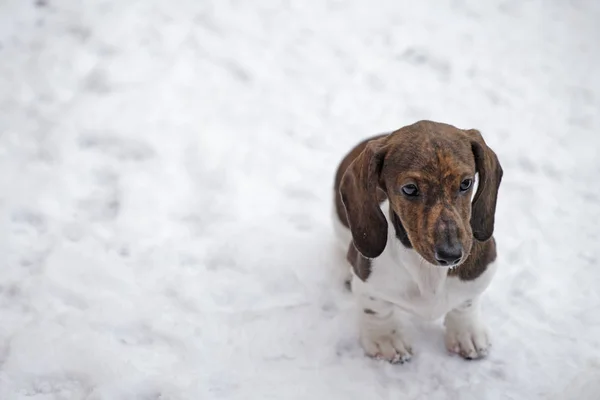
x=465, y=185
x=410, y=190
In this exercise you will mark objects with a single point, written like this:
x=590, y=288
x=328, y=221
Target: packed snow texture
x=166, y=186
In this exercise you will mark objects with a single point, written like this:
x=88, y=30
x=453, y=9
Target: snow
x=166, y=186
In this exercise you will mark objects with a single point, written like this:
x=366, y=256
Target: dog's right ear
x=358, y=191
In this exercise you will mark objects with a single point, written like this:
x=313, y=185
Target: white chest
x=401, y=277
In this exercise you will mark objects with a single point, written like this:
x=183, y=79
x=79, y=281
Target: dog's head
x=427, y=171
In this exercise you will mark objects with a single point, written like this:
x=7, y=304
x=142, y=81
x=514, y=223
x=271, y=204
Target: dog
x=418, y=235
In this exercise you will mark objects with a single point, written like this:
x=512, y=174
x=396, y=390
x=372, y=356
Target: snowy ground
x=166, y=186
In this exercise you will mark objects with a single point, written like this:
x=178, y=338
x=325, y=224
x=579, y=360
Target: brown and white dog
x=417, y=239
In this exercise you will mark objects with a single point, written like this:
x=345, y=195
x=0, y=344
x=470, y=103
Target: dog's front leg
x=466, y=334
x=380, y=332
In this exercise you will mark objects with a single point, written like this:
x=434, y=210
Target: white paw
x=390, y=347
x=470, y=341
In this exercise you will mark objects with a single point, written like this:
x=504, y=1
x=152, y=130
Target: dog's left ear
x=490, y=176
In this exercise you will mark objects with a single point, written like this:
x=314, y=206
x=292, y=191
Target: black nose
x=448, y=254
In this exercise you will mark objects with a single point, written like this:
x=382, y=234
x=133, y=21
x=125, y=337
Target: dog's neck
x=429, y=278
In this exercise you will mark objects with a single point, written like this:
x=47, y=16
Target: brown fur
x=360, y=264
x=436, y=157
x=482, y=254
x=346, y=161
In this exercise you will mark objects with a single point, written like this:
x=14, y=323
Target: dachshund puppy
x=418, y=235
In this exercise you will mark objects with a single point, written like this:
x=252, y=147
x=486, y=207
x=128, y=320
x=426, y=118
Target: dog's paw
x=390, y=347
x=470, y=341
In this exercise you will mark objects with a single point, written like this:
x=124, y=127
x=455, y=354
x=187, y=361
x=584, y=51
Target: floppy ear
x=490, y=176
x=358, y=191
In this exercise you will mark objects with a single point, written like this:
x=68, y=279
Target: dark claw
x=348, y=285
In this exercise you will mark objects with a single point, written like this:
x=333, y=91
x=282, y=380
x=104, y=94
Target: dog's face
x=429, y=181
x=427, y=171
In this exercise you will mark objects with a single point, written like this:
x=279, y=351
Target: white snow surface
x=166, y=185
